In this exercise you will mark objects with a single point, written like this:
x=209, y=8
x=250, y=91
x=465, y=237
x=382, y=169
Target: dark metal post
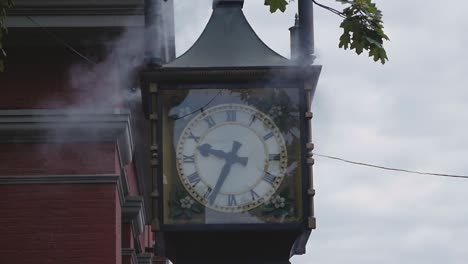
x=295, y=41
x=154, y=32
x=306, y=24
x=169, y=30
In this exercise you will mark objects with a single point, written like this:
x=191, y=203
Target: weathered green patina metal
x=228, y=41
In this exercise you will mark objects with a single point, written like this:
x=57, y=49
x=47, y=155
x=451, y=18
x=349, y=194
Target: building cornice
x=144, y=258
x=42, y=126
x=60, y=179
x=62, y=10
x=133, y=212
x=130, y=252
x=75, y=21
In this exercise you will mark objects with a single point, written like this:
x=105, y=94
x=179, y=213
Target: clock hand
x=206, y=149
x=230, y=158
x=219, y=183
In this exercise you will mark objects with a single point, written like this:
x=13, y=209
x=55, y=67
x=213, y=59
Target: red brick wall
x=60, y=223
x=127, y=236
x=56, y=159
x=132, y=181
x=54, y=77
x=118, y=229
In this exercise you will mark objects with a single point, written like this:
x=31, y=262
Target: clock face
x=231, y=158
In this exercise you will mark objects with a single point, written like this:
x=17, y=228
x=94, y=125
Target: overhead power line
x=392, y=169
x=61, y=41
x=334, y=11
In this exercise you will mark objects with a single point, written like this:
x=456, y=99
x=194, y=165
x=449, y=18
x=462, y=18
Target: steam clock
x=231, y=147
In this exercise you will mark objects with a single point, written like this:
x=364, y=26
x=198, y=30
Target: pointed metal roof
x=228, y=41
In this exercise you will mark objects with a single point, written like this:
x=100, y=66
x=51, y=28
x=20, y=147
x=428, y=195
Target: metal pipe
x=169, y=30
x=306, y=24
x=295, y=41
x=154, y=32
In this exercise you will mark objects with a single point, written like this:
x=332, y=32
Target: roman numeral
x=231, y=116
x=194, y=179
x=192, y=136
x=274, y=157
x=269, y=178
x=252, y=120
x=207, y=193
x=189, y=159
x=232, y=200
x=210, y=121
x=267, y=136
x=255, y=195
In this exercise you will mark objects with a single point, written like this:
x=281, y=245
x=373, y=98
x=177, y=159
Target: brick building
x=73, y=152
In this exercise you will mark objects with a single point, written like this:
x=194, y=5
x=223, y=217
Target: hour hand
x=206, y=150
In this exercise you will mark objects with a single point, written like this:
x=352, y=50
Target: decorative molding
x=236, y=74
x=83, y=20
x=74, y=7
x=144, y=258
x=37, y=126
x=130, y=252
x=133, y=212
x=77, y=10
x=60, y=179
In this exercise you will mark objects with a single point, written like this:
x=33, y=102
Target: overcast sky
x=411, y=113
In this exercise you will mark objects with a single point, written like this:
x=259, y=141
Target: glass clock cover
x=231, y=156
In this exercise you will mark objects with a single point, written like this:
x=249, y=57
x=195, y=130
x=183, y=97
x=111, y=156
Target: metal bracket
x=155, y=227
x=153, y=88
x=311, y=222
x=154, y=117
x=155, y=194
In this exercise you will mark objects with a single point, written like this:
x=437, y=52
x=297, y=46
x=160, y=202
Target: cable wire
x=201, y=108
x=392, y=169
x=61, y=41
x=334, y=11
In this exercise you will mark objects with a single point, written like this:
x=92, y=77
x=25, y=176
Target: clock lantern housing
x=230, y=144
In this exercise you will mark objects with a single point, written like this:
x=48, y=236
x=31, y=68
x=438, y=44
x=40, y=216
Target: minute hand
x=230, y=158
x=219, y=183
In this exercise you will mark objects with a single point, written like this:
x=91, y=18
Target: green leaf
x=375, y=53
x=276, y=5
x=344, y=41
x=383, y=56
x=196, y=209
x=188, y=213
x=177, y=212
x=363, y=29
x=374, y=42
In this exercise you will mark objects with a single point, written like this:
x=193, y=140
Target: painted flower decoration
x=277, y=201
x=186, y=202
x=275, y=112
